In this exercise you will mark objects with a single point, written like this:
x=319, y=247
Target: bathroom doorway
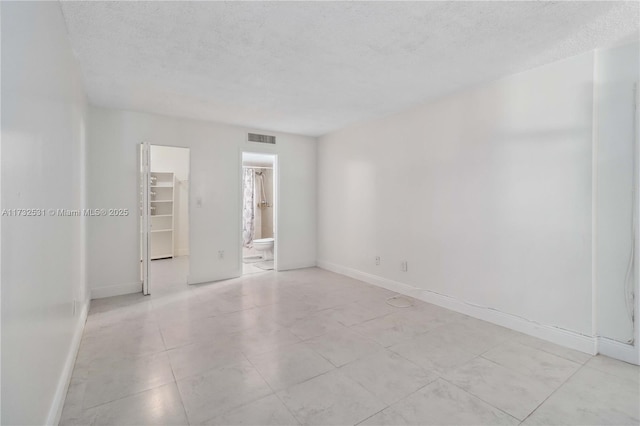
x=258, y=213
x=165, y=218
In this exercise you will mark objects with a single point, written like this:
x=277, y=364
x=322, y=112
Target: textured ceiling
x=314, y=67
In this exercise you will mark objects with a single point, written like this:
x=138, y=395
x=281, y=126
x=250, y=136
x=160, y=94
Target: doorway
x=165, y=219
x=258, y=213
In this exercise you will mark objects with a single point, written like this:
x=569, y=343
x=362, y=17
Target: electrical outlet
x=404, y=266
x=377, y=260
x=220, y=254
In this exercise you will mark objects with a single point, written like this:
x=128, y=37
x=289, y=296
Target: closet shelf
x=163, y=224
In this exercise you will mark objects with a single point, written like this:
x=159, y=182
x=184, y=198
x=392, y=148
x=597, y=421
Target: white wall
x=486, y=193
x=617, y=72
x=43, y=133
x=112, y=175
x=176, y=160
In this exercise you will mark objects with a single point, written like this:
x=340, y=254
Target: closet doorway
x=165, y=219
x=259, y=240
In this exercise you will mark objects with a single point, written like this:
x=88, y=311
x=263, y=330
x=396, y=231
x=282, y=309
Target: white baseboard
x=617, y=350
x=116, y=290
x=550, y=333
x=296, y=265
x=55, y=411
x=203, y=279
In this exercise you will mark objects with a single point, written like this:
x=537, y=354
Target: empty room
x=320, y=213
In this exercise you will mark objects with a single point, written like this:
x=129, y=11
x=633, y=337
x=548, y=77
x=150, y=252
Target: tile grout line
x=374, y=414
x=520, y=374
x=136, y=357
x=437, y=376
x=440, y=376
x=175, y=380
x=552, y=353
x=273, y=390
x=486, y=402
x=626, y=379
x=127, y=396
x=553, y=393
x=184, y=409
x=235, y=407
x=531, y=376
x=403, y=340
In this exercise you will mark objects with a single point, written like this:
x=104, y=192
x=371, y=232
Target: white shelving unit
x=162, y=198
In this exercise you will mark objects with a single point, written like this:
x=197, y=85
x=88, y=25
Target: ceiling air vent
x=254, y=137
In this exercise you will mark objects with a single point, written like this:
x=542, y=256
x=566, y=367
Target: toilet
x=265, y=246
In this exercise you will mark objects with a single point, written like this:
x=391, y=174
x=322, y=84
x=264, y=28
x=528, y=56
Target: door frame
x=145, y=206
x=276, y=206
x=144, y=222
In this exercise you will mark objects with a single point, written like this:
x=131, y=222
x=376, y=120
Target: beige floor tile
x=590, y=397
x=290, y=365
x=342, y=347
x=387, y=375
x=561, y=351
x=200, y=357
x=353, y=314
x=126, y=377
x=535, y=363
x=330, y=399
x=441, y=403
x=263, y=339
x=158, y=406
x=315, y=325
x=396, y=327
x=511, y=392
x=133, y=346
x=216, y=392
x=614, y=367
x=267, y=411
x=433, y=354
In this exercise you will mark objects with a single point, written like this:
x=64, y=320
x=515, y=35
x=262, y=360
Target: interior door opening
x=165, y=219
x=258, y=213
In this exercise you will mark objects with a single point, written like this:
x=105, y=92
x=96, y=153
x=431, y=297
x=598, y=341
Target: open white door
x=145, y=212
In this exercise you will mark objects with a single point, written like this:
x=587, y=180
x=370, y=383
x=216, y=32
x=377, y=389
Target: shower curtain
x=248, y=207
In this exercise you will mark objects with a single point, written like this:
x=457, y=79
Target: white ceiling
x=314, y=67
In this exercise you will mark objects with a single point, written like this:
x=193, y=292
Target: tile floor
x=251, y=260
x=250, y=268
x=169, y=275
x=313, y=347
